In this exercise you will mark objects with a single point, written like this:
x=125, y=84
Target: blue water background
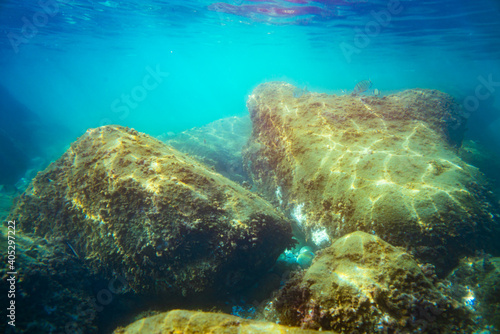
x=74, y=69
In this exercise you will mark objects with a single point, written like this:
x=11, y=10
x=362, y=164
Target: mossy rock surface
x=384, y=165
x=362, y=284
x=53, y=290
x=476, y=281
x=129, y=205
x=191, y=322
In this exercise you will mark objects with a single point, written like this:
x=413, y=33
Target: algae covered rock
x=386, y=165
x=52, y=289
x=476, y=281
x=190, y=322
x=362, y=284
x=132, y=206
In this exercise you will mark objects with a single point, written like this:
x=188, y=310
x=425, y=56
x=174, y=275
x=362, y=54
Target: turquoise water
x=85, y=54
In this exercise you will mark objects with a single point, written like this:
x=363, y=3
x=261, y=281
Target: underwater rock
x=132, y=206
x=53, y=291
x=362, y=284
x=476, y=281
x=217, y=144
x=187, y=322
x=384, y=165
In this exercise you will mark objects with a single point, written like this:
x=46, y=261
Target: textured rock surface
x=53, y=290
x=476, y=281
x=384, y=165
x=191, y=322
x=218, y=145
x=132, y=206
x=361, y=284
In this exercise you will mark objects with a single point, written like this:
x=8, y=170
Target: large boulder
x=191, y=322
x=127, y=204
x=385, y=165
x=362, y=284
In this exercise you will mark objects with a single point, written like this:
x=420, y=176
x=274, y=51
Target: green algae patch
x=362, y=284
x=129, y=205
x=384, y=165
